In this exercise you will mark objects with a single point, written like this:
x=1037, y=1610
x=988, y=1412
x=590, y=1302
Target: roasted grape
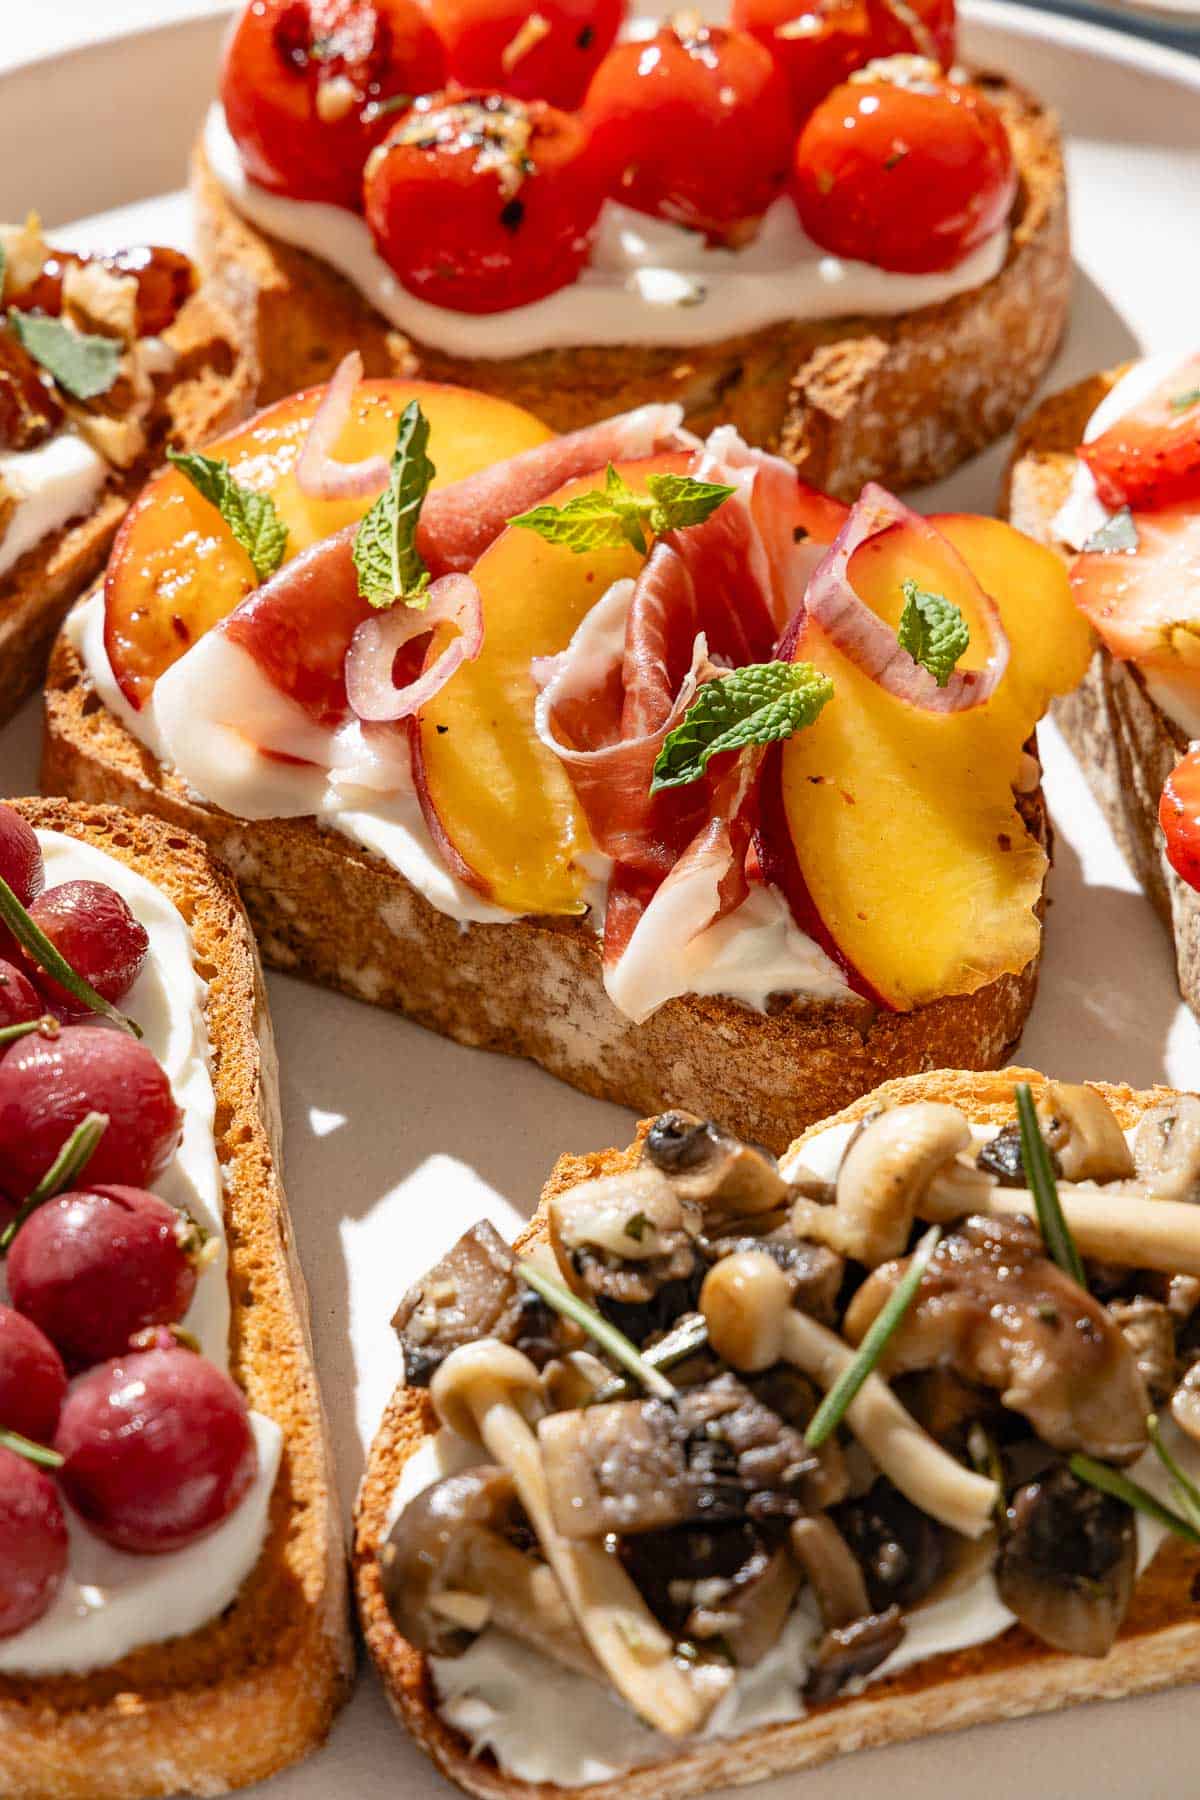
x=33, y=1542
x=92, y=927
x=33, y=1382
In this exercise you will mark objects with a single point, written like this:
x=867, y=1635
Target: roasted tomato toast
x=172, y=1614
x=805, y=220
x=732, y=1465
x=626, y=753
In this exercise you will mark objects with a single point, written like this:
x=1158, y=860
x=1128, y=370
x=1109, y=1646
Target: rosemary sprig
x=841, y=1395
x=1039, y=1172
x=48, y=1026
x=1123, y=1487
x=71, y=1160
x=35, y=942
x=682, y=1341
x=34, y=1453
x=558, y=1295
x=1183, y=1488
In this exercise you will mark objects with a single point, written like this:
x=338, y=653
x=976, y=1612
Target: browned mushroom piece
x=1081, y=1130
x=30, y=410
x=814, y=1272
x=644, y=1465
x=1002, y=1158
x=1149, y=1330
x=899, y=1549
x=834, y=1572
x=1067, y=1563
x=728, y=1588
x=1185, y=1403
x=850, y=1652
x=795, y=1399
x=627, y=1244
x=727, y=1178
x=992, y=1307
x=1166, y=1149
x=473, y=1292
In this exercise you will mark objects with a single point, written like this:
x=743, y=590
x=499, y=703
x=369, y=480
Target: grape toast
x=257, y=1687
x=899, y=400
x=1002, y=1678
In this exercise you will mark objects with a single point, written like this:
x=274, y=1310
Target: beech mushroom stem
x=1116, y=1225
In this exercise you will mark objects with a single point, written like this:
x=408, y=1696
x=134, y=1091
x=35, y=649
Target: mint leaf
x=1181, y=402
x=83, y=365
x=1117, y=533
x=617, y=514
x=250, y=517
x=389, y=565
x=758, y=704
x=932, y=630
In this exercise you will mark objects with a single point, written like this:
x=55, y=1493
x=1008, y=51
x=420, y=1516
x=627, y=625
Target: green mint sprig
x=83, y=364
x=932, y=630
x=251, y=517
x=389, y=565
x=758, y=704
x=618, y=514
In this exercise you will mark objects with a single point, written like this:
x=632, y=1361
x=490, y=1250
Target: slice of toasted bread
x=341, y=916
x=900, y=400
x=1126, y=746
x=211, y=386
x=257, y=1687
x=1159, y=1643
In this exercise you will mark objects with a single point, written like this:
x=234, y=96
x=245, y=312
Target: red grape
x=33, y=1542
x=19, y=999
x=33, y=1381
x=95, y=1266
x=20, y=865
x=90, y=924
x=158, y=1449
x=49, y=1085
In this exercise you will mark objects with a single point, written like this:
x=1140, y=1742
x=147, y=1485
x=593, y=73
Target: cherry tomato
x=1151, y=456
x=696, y=126
x=902, y=168
x=818, y=43
x=549, y=52
x=308, y=87
x=1179, y=817
x=480, y=202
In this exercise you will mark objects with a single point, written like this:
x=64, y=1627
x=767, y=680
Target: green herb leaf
x=1183, y=1488
x=47, y=1025
x=617, y=514
x=35, y=942
x=842, y=1394
x=557, y=1294
x=82, y=364
x=70, y=1162
x=389, y=565
x=758, y=704
x=683, y=1340
x=1123, y=1487
x=1118, y=532
x=1039, y=1172
x=41, y=1454
x=932, y=630
x=1189, y=397
x=250, y=517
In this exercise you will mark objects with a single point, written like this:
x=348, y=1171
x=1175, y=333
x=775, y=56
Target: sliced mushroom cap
x=882, y=1180
x=832, y=1569
x=1068, y=1563
x=1166, y=1149
x=727, y=1178
x=473, y=1292
x=729, y=1587
x=627, y=1244
x=851, y=1652
x=992, y=1307
x=814, y=1272
x=900, y=1550
x=1185, y=1403
x=1003, y=1159
x=1149, y=1330
x=1079, y=1126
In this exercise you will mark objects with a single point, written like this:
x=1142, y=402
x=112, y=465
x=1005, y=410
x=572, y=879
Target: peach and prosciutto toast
x=620, y=751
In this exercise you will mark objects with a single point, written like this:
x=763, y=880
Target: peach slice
x=175, y=570
x=499, y=803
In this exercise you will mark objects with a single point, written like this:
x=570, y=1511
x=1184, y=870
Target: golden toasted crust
x=211, y=386
x=1159, y=1644
x=1126, y=746
x=899, y=400
x=325, y=909
x=257, y=1688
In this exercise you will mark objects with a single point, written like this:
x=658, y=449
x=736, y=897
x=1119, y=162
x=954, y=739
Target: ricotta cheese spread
x=111, y=1602
x=51, y=485
x=647, y=282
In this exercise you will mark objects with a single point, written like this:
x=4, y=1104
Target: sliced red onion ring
x=863, y=636
x=318, y=473
x=370, y=689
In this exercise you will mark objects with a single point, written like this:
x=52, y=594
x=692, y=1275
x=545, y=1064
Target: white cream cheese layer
x=51, y=485
x=647, y=282
x=111, y=1602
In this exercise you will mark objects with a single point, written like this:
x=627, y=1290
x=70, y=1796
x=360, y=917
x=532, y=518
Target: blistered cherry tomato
x=1179, y=817
x=308, y=86
x=19, y=999
x=902, y=168
x=695, y=125
x=90, y=924
x=92, y=1268
x=48, y=1085
x=33, y=1543
x=818, y=43
x=158, y=1448
x=33, y=1382
x=548, y=52
x=481, y=202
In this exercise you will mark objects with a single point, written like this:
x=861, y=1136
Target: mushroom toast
x=733, y=1464
x=617, y=750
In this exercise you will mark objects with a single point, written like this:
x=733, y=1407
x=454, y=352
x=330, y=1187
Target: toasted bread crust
x=212, y=386
x=899, y=400
x=256, y=1688
x=325, y=909
x=1126, y=746
x=1159, y=1644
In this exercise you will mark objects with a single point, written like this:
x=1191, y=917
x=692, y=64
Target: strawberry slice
x=1179, y=817
x=1151, y=456
x=1145, y=600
